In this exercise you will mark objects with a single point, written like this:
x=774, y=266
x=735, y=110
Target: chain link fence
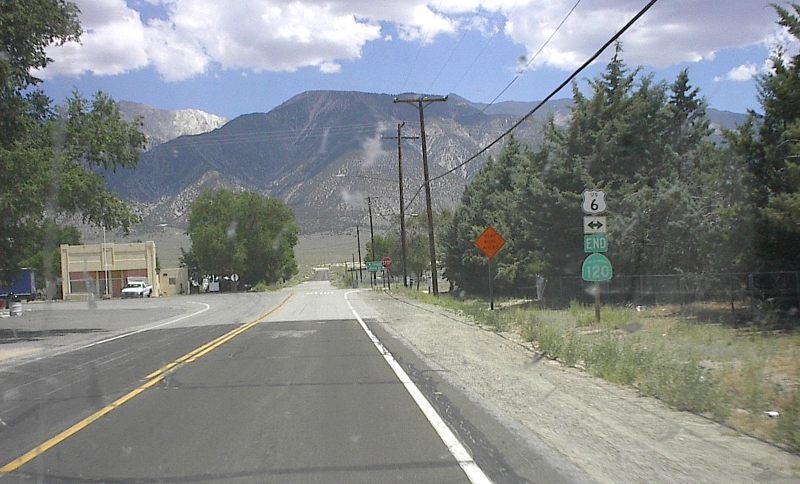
x=775, y=289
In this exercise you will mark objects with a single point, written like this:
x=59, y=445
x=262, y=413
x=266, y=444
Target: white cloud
x=671, y=32
x=113, y=42
x=275, y=35
x=174, y=57
x=744, y=72
x=330, y=68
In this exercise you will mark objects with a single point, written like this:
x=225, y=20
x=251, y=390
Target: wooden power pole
x=399, y=139
x=421, y=103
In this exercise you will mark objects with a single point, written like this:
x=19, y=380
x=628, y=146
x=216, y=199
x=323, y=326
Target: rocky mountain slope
x=161, y=125
x=322, y=152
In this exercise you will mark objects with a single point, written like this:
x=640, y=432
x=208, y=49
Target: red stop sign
x=387, y=262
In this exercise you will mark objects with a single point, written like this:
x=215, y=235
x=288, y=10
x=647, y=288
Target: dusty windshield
x=420, y=241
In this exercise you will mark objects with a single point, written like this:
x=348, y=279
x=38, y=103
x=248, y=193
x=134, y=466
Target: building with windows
x=174, y=281
x=104, y=269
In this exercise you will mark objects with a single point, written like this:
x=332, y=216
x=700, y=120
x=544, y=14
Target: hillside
x=322, y=153
x=160, y=126
x=314, y=151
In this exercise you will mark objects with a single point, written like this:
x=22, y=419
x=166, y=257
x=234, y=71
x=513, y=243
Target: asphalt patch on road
x=8, y=336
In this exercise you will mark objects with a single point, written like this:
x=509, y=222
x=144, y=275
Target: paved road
x=277, y=387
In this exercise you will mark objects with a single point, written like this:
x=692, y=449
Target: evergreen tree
x=769, y=149
x=647, y=145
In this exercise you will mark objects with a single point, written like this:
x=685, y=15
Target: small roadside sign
x=374, y=266
x=594, y=202
x=597, y=268
x=490, y=242
x=594, y=225
x=387, y=262
x=595, y=243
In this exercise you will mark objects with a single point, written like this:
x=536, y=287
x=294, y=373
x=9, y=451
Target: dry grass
x=693, y=358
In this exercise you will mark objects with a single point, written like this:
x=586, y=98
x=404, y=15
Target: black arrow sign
x=595, y=224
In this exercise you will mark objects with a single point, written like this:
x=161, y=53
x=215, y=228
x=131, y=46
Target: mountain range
x=160, y=126
x=323, y=153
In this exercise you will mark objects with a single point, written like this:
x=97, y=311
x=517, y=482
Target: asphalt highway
x=289, y=386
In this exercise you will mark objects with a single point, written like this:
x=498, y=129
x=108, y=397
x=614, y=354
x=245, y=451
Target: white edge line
x=474, y=473
x=120, y=336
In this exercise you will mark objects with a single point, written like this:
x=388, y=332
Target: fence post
x=797, y=288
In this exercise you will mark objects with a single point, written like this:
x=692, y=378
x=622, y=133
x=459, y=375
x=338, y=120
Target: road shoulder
x=609, y=432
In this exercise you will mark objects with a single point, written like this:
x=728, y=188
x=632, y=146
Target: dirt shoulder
x=609, y=432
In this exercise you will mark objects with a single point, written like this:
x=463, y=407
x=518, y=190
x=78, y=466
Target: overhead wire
x=533, y=58
x=444, y=64
x=416, y=56
x=555, y=91
x=485, y=47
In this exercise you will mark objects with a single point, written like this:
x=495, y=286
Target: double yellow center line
x=149, y=381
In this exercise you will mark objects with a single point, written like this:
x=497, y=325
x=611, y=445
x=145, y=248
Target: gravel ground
x=609, y=432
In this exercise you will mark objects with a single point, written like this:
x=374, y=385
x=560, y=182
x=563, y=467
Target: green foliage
x=769, y=147
x=47, y=154
x=47, y=260
x=27, y=27
x=243, y=233
x=677, y=201
x=189, y=260
x=417, y=247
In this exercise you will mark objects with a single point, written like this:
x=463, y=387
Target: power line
x=555, y=91
x=530, y=61
x=419, y=50
x=474, y=61
x=444, y=64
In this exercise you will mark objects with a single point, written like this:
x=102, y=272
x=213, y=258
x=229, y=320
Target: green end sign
x=595, y=243
x=374, y=266
x=597, y=268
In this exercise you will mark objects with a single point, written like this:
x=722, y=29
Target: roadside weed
x=729, y=373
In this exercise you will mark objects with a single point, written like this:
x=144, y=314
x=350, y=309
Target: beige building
x=174, y=281
x=102, y=269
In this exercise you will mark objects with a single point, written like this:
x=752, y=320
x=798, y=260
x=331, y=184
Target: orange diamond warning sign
x=490, y=242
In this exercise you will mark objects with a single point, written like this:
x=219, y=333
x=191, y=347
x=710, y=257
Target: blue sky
x=232, y=58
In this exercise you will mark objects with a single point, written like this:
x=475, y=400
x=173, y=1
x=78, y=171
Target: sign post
x=596, y=267
x=490, y=242
x=387, y=264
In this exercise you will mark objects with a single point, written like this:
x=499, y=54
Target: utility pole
x=399, y=139
x=358, y=241
x=373, y=276
x=422, y=103
x=371, y=232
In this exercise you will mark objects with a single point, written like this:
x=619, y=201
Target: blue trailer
x=24, y=286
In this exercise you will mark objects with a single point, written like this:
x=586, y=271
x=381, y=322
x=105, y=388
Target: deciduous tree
x=244, y=233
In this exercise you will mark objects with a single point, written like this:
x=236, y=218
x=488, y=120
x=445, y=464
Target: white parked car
x=137, y=289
